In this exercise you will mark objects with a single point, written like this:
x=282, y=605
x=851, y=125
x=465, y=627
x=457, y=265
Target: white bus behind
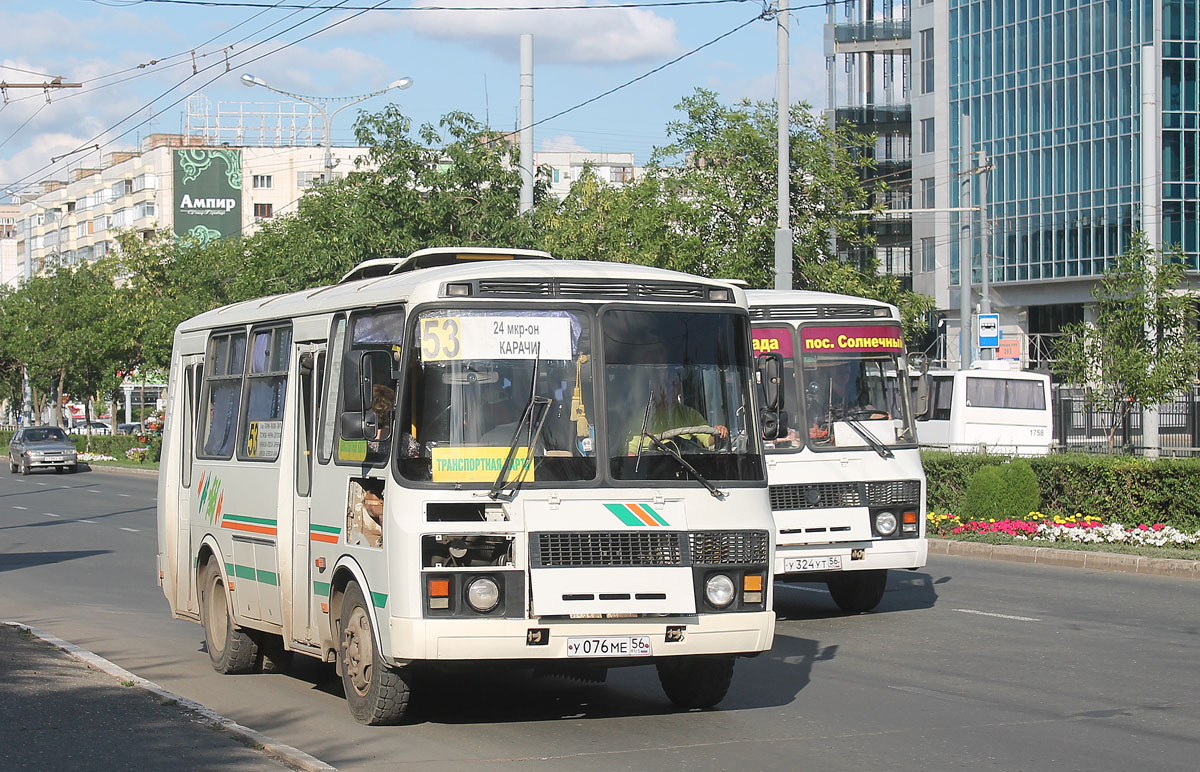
x=994, y=407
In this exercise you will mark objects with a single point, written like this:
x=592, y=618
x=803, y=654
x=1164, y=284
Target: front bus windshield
x=471, y=378
x=684, y=377
x=854, y=388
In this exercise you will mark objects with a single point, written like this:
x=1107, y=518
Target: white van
x=992, y=407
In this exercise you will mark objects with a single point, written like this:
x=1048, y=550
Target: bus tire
x=375, y=693
x=696, y=681
x=859, y=591
x=230, y=649
x=272, y=656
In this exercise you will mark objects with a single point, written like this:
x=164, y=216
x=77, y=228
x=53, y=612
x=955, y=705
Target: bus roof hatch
x=434, y=257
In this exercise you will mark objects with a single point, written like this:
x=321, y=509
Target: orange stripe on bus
x=247, y=527
x=328, y=538
x=642, y=514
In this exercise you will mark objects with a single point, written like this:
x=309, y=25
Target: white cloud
x=563, y=143
x=575, y=36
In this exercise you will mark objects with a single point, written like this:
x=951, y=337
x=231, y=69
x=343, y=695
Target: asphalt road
x=968, y=664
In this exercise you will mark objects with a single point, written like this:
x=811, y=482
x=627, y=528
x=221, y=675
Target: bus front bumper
x=819, y=561
x=540, y=640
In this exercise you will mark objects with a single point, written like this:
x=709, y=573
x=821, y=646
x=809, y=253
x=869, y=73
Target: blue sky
x=459, y=60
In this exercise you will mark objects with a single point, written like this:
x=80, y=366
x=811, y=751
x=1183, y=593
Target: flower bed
x=1078, y=528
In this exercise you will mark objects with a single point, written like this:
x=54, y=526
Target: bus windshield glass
x=850, y=391
x=472, y=381
x=854, y=387
x=683, y=378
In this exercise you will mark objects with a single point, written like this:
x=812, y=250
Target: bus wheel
x=375, y=693
x=230, y=649
x=858, y=591
x=272, y=656
x=696, y=682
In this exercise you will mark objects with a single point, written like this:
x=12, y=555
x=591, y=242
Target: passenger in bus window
x=383, y=401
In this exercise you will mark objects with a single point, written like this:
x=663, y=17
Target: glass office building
x=1036, y=106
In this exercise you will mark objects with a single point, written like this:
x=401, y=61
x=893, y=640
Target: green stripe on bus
x=229, y=569
x=244, y=572
x=268, y=577
x=654, y=514
x=623, y=514
x=248, y=519
x=379, y=599
x=326, y=528
x=321, y=588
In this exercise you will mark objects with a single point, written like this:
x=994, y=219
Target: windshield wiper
x=871, y=439
x=642, y=433
x=541, y=407
x=716, y=492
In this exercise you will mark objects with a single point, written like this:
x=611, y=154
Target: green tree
x=1142, y=347
x=707, y=204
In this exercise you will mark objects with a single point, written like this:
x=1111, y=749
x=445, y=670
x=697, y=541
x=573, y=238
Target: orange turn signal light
x=752, y=583
x=439, y=588
x=910, y=518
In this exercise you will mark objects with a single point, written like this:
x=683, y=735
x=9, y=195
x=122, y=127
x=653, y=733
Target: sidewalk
x=1049, y=556
x=72, y=710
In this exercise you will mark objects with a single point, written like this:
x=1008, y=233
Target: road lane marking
x=123, y=495
x=93, y=522
x=18, y=506
x=51, y=514
x=1000, y=616
x=131, y=530
x=93, y=490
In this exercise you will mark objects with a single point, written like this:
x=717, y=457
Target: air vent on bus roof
x=598, y=289
x=434, y=257
x=815, y=312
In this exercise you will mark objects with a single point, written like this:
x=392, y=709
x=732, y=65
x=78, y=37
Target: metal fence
x=1097, y=430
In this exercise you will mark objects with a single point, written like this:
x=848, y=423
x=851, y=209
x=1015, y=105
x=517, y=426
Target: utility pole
x=1151, y=216
x=965, y=347
x=526, y=129
x=984, y=167
x=783, y=229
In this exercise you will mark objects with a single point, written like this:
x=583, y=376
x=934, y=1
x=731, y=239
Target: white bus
x=994, y=407
x=846, y=482
x=465, y=456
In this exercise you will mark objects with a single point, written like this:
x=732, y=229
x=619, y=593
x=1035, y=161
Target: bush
x=1115, y=488
x=1004, y=491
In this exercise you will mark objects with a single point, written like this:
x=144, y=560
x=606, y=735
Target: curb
x=122, y=470
x=292, y=757
x=1048, y=556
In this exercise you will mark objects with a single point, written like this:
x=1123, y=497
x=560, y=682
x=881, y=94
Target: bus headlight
x=885, y=523
x=719, y=590
x=483, y=594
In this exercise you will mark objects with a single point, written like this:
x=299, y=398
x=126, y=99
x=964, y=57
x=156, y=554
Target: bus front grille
x=728, y=548
x=622, y=548
x=892, y=492
x=816, y=496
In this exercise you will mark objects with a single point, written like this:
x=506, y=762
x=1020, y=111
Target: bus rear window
x=1011, y=393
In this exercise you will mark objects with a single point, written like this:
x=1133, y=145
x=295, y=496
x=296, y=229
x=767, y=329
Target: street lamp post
x=322, y=104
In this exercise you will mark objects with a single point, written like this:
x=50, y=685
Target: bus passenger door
x=310, y=371
x=185, y=578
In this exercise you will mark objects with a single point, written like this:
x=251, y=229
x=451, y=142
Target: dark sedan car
x=41, y=447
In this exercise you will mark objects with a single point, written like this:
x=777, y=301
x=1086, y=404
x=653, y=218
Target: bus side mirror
x=920, y=399
x=770, y=375
x=353, y=425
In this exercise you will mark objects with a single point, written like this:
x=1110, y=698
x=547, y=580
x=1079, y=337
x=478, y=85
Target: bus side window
x=189, y=419
x=222, y=395
x=943, y=390
x=364, y=512
x=329, y=400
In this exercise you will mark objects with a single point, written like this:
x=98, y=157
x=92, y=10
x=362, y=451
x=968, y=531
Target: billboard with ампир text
x=859, y=338
x=208, y=194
